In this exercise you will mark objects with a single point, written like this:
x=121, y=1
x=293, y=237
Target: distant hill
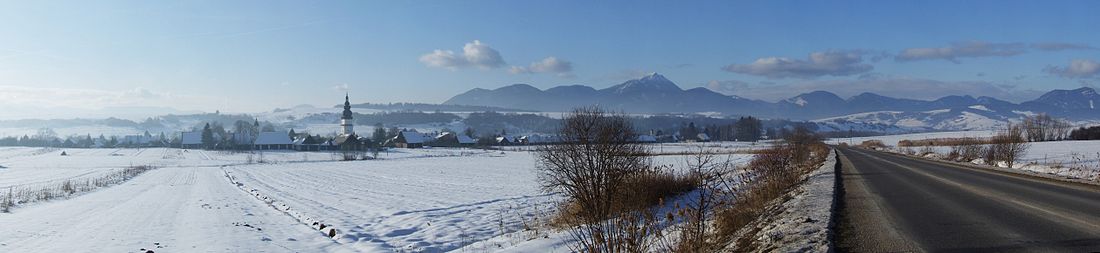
x=656, y=94
x=423, y=107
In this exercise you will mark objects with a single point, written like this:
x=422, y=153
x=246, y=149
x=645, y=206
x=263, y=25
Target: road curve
x=893, y=203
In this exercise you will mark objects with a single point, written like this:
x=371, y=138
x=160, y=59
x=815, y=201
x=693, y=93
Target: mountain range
x=656, y=94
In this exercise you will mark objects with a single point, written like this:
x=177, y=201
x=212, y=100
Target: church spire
x=347, y=107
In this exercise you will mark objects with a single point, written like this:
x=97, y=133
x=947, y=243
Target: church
x=347, y=140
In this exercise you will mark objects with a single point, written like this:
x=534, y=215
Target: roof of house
x=190, y=138
x=416, y=137
x=647, y=138
x=463, y=139
x=273, y=138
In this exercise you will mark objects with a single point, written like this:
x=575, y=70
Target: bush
x=958, y=141
x=768, y=176
x=1008, y=146
x=594, y=168
x=872, y=144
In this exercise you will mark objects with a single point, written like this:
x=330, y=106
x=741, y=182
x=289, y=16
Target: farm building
x=191, y=139
x=273, y=140
x=411, y=139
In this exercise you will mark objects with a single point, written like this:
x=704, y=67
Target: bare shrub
x=1043, y=127
x=768, y=176
x=592, y=167
x=953, y=141
x=926, y=150
x=968, y=153
x=1008, y=145
x=872, y=144
x=7, y=202
x=908, y=151
x=690, y=224
x=955, y=153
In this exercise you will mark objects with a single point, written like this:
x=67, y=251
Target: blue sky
x=248, y=56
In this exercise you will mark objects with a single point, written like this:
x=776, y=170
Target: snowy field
x=1074, y=159
x=409, y=200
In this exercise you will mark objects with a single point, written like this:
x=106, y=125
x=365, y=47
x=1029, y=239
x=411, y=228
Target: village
x=248, y=136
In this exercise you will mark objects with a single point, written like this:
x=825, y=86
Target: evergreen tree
x=379, y=134
x=690, y=132
x=207, y=136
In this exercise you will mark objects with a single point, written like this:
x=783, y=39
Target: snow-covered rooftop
x=191, y=138
x=416, y=137
x=273, y=138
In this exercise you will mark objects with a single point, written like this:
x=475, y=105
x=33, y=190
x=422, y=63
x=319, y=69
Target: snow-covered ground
x=429, y=204
x=174, y=209
x=408, y=200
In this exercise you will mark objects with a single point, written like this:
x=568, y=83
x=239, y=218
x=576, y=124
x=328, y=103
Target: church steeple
x=347, y=108
x=346, y=122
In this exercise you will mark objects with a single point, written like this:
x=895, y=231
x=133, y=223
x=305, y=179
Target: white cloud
x=831, y=63
x=342, y=87
x=548, y=65
x=474, y=54
x=961, y=50
x=1079, y=68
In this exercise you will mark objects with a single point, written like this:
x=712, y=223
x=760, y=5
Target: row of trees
x=1043, y=127
x=46, y=137
x=744, y=129
x=1007, y=146
x=1090, y=133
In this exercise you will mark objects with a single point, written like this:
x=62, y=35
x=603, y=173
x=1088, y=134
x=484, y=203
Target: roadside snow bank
x=801, y=222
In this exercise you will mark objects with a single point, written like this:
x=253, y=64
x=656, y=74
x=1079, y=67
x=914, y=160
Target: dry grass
x=872, y=144
x=770, y=176
x=29, y=194
x=637, y=193
x=960, y=141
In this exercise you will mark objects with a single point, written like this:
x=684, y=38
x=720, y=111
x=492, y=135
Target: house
x=273, y=140
x=544, y=139
x=466, y=140
x=702, y=137
x=191, y=139
x=348, y=142
x=645, y=138
x=450, y=139
x=507, y=140
x=308, y=143
x=411, y=139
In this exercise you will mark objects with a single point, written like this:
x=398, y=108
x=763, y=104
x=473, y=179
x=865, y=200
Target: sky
x=253, y=56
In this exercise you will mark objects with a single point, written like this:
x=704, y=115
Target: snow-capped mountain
x=656, y=94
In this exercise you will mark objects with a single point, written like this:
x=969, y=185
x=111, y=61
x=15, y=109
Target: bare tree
x=1008, y=145
x=1043, y=127
x=597, y=156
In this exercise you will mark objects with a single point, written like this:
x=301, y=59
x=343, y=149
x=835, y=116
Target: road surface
x=893, y=203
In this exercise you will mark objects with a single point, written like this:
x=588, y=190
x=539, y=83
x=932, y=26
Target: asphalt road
x=893, y=203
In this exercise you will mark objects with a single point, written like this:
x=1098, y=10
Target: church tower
x=346, y=125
